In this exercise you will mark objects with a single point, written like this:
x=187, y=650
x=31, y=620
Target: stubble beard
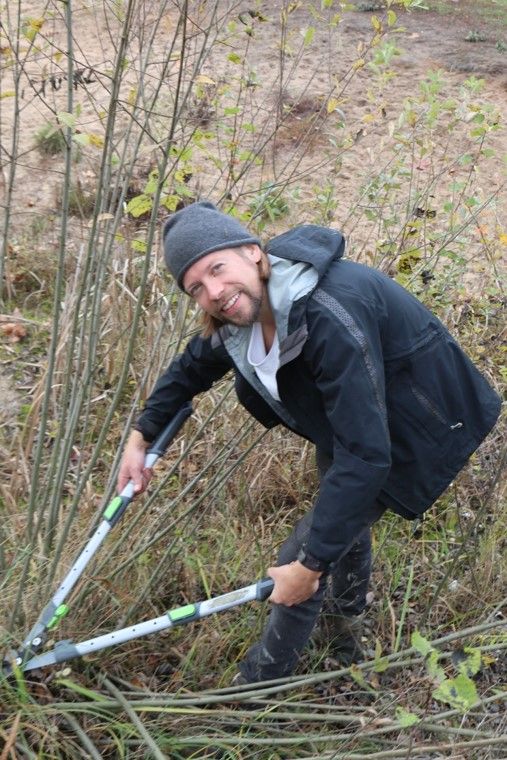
x=245, y=320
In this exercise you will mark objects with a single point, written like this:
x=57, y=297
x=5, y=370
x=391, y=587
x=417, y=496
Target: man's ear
x=253, y=252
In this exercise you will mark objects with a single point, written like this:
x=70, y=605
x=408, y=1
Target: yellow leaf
x=359, y=63
x=96, y=140
x=31, y=26
x=332, y=105
x=203, y=79
x=376, y=23
x=503, y=238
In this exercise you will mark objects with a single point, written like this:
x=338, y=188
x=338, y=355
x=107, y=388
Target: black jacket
x=369, y=375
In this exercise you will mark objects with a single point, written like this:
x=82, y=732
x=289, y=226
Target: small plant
x=366, y=7
x=501, y=46
x=475, y=36
x=269, y=204
x=82, y=197
x=50, y=140
x=81, y=200
x=459, y=692
x=326, y=203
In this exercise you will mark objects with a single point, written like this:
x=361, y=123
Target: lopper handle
x=56, y=609
x=164, y=439
x=264, y=589
x=119, y=504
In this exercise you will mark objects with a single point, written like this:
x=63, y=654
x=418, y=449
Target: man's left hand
x=294, y=583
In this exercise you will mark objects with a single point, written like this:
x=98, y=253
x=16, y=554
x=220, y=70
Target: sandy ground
x=430, y=42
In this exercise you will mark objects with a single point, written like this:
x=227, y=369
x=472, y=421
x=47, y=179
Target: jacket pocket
x=435, y=419
x=417, y=422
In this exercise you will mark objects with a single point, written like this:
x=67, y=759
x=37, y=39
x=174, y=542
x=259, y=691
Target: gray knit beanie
x=197, y=230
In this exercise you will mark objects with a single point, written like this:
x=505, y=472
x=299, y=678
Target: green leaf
x=234, y=58
x=433, y=668
x=232, y=111
x=141, y=247
x=95, y=696
x=7, y=94
x=391, y=18
x=22, y=691
x=359, y=678
x=152, y=184
x=459, y=692
x=170, y=202
x=81, y=138
x=184, y=154
x=309, y=35
x=380, y=663
x=406, y=719
x=30, y=26
x=421, y=644
x=67, y=119
x=472, y=664
x=139, y=205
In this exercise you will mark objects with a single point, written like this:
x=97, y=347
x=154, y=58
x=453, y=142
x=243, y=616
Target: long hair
x=209, y=324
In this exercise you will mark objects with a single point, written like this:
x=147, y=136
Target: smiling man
x=346, y=358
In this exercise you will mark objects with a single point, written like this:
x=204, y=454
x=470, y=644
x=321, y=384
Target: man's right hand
x=132, y=464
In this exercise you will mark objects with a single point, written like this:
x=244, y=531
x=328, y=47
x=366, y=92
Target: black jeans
x=288, y=629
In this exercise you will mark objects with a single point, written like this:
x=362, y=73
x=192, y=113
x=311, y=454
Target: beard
x=241, y=319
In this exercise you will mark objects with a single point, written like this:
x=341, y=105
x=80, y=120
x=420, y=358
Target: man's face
x=227, y=285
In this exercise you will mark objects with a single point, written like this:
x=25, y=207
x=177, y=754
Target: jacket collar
x=299, y=258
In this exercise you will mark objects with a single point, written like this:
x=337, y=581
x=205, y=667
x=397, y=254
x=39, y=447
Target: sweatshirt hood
x=289, y=281
x=309, y=243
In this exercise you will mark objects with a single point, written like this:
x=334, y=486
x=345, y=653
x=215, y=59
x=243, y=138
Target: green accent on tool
x=113, y=507
x=180, y=613
x=60, y=612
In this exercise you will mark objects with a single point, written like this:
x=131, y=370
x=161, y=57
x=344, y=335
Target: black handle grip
x=161, y=443
x=264, y=588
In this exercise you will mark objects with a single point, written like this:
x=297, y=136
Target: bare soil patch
x=432, y=40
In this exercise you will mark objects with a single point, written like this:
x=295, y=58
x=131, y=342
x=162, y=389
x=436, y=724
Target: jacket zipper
x=430, y=406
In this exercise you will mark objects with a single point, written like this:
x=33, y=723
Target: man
x=343, y=356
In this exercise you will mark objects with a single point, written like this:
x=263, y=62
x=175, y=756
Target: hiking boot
x=239, y=680
x=342, y=636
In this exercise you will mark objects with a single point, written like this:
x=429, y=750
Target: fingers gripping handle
x=119, y=504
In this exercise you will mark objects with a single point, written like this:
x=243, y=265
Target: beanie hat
x=197, y=230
